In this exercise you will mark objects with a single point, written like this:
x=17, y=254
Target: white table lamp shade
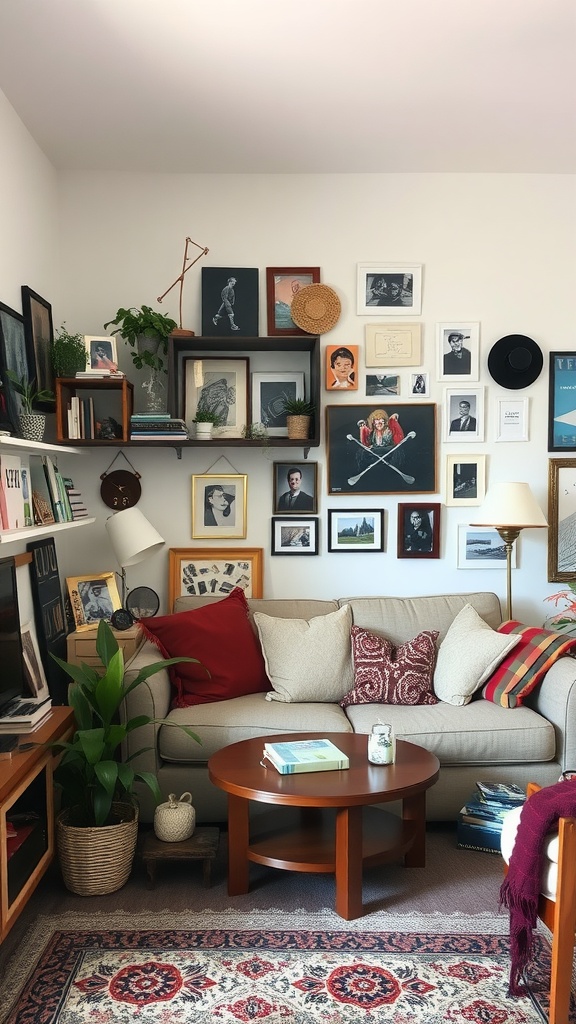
x=132, y=537
x=510, y=504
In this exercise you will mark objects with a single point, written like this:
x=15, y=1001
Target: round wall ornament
x=120, y=488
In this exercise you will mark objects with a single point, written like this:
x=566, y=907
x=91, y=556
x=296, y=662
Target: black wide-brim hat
x=515, y=361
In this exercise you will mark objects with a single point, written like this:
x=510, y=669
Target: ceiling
x=295, y=86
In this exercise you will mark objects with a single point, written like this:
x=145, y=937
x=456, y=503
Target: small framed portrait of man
x=464, y=415
x=102, y=353
x=458, y=348
x=295, y=487
x=418, y=530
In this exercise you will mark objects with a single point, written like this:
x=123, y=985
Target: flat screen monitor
x=11, y=657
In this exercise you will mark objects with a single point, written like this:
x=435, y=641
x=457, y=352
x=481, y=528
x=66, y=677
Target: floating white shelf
x=29, y=532
x=36, y=446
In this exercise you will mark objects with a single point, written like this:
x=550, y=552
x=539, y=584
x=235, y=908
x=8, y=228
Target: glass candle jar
x=381, y=744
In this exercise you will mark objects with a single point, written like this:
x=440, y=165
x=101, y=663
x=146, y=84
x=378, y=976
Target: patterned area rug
x=279, y=974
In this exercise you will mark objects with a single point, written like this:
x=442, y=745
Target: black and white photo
x=389, y=289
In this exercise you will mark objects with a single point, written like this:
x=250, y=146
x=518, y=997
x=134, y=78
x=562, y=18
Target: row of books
x=100, y=374
x=156, y=427
x=33, y=492
x=81, y=419
x=24, y=714
x=480, y=819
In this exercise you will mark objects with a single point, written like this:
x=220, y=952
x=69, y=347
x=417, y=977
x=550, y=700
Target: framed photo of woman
x=219, y=506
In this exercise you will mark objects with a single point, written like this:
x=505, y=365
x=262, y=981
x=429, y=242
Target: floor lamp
x=133, y=539
x=510, y=508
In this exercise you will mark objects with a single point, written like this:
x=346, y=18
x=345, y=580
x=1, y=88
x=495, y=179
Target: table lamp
x=133, y=539
x=510, y=508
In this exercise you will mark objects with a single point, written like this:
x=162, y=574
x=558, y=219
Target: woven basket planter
x=298, y=426
x=96, y=861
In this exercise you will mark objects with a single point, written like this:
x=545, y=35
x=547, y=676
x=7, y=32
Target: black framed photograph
x=377, y=450
x=382, y=384
x=418, y=530
x=294, y=536
x=218, y=385
x=295, y=487
x=562, y=402
x=229, y=302
x=392, y=288
x=356, y=529
x=39, y=334
x=270, y=390
x=282, y=284
x=13, y=356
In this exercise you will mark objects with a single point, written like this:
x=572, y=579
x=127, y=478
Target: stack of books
x=156, y=427
x=24, y=715
x=305, y=756
x=99, y=374
x=480, y=820
x=75, y=499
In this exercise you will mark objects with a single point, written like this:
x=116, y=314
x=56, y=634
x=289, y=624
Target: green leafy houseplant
x=205, y=416
x=298, y=407
x=133, y=324
x=89, y=775
x=28, y=392
x=68, y=353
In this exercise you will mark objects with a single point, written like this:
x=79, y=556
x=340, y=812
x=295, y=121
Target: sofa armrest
x=555, y=699
x=152, y=698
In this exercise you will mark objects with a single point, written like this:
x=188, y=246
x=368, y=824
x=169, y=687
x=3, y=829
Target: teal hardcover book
x=305, y=756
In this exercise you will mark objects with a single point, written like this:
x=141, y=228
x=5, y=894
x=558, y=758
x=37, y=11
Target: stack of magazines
x=156, y=427
x=480, y=820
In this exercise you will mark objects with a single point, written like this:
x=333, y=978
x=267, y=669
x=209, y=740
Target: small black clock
x=120, y=489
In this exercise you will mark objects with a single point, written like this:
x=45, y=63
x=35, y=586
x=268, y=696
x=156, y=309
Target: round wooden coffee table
x=322, y=821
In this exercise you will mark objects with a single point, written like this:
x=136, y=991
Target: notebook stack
x=156, y=427
x=480, y=820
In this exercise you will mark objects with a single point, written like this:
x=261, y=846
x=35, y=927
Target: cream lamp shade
x=132, y=537
x=510, y=507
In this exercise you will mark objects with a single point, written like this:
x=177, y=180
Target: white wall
x=495, y=248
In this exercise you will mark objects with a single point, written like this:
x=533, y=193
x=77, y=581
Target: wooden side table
x=81, y=645
x=202, y=845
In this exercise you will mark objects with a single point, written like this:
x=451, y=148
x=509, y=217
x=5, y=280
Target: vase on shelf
x=154, y=391
x=32, y=425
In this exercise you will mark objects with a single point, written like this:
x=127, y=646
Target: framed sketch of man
x=219, y=506
x=418, y=530
x=464, y=415
x=295, y=487
x=458, y=351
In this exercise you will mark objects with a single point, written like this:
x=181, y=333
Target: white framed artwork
x=482, y=547
x=464, y=414
x=458, y=351
x=393, y=345
x=394, y=289
x=465, y=482
x=512, y=419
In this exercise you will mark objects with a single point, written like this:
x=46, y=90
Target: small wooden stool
x=202, y=845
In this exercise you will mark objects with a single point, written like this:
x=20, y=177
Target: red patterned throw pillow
x=526, y=664
x=220, y=636
x=384, y=674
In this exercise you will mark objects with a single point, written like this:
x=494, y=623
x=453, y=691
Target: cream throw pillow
x=307, y=659
x=468, y=655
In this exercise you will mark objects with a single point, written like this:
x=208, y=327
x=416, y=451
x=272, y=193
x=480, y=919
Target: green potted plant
x=32, y=424
x=69, y=353
x=204, y=422
x=97, y=827
x=147, y=332
x=299, y=412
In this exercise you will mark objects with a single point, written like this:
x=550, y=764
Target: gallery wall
x=497, y=249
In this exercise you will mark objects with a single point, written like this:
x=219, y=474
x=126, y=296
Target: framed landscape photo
x=465, y=480
x=282, y=284
x=102, y=353
x=356, y=529
x=562, y=402
x=418, y=530
x=218, y=385
x=482, y=547
x=214, y=571
x=230, y=302
x=93, y=597
x=464, y=414
x=219, y=506
x=295, y=487
x=383, y=384
x=270, y=390
x=380, y=448
x=39, y=333
x=390, y=345
x=458, y=351
x=394, y=289
x=294, y=536
x=561, y=520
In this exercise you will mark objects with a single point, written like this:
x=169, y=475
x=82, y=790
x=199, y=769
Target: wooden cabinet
x=110, y=399
x=27, y=795
x=81, y=645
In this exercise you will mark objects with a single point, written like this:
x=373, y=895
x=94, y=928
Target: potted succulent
x=299, y=412
x=32, y=424
x=69, y=353
x=97, y=827
x=147, y=332
x=204, y=422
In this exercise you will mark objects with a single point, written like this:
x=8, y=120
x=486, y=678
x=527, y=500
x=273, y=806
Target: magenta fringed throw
x=521, y=887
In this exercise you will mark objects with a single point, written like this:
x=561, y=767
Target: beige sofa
x=480, y=740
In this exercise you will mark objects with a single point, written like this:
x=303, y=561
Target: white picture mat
x=512, y=419
x=481, y=547
x=471, y=332
x=368, y=271
x=203, y=372
x=453, y=462
x=352, y=519
x=268, y=387
x=393, y=344
x=452, y=399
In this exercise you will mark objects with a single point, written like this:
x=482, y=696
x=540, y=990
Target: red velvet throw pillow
x=220, y=636
x=384, y=674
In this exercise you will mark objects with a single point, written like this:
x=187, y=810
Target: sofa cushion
x=385, y=674
x=456, y=677
x=527, y=663
x=307, y=659
x=220, y=636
